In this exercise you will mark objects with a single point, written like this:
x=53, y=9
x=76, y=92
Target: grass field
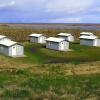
x=51, y=75
x=46, y=74
x=25, y=85
x=38, y=53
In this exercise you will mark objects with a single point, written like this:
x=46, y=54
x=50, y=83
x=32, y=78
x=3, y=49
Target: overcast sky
x=50, y=11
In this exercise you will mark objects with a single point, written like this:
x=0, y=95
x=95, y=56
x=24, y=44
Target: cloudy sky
x=50, y=11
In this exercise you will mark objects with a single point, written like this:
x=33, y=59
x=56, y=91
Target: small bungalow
x=3, y=38
x=57, y=44
x=88, y=40
x=37, y=38
x=67, y=36
x=86, y=34
x=11, y=48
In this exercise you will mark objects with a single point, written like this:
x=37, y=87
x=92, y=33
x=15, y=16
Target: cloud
x=7, y=4
x=50, y=11
x=65, y=20
x=68, y=6
x=97, y=9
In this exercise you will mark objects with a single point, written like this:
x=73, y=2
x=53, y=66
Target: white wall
x=86, y=42
x=34, y=39
x=71, y=38
x=20, y=50
x=52, y=45
x=63, y=46
x=16, y=50
x=64, y=37
x=42, y=39
x=98, y=42
x=4, y=50
x=68, y=38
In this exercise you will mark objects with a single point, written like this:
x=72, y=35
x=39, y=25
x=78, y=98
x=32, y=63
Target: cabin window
x=13, y=47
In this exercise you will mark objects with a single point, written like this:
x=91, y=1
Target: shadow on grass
x=43, y=46
x=81, y=54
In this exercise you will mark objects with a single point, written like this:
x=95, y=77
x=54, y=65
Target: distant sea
x=60, y=26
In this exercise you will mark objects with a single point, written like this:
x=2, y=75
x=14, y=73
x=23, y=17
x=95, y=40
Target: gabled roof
x=8, y=43
x=54, y=39
x=86, y=33
x=88, y=37
x=64, y=34
x=2, y=36
x=35, y=35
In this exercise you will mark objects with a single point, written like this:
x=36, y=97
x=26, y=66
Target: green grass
x=25, y=84
x=40, y=81
x=37, y=53
x=34, y=77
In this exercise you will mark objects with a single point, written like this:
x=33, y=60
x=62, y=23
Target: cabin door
x=41, y=39
x=95, y=42
x=62, y=46
x=13, y=50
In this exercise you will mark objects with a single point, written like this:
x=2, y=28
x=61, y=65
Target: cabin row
x=10, y=48
x=57, y=43
x=61, y=42
x=89, y=39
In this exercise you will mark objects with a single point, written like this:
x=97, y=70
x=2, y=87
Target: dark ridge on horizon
x=44, y=23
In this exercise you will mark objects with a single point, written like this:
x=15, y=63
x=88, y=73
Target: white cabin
x=57, y=44
x=37, y=38
x=11, y=48
x=86, y=34
x=88, y=40
x=67, y=36
x=3, y=38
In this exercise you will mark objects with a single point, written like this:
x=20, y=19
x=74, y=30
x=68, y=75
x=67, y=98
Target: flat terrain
x=51, y=75
x=39, y=54
x=24, y=84
x=31, y=24
x=47, y=74
x=78, y=54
